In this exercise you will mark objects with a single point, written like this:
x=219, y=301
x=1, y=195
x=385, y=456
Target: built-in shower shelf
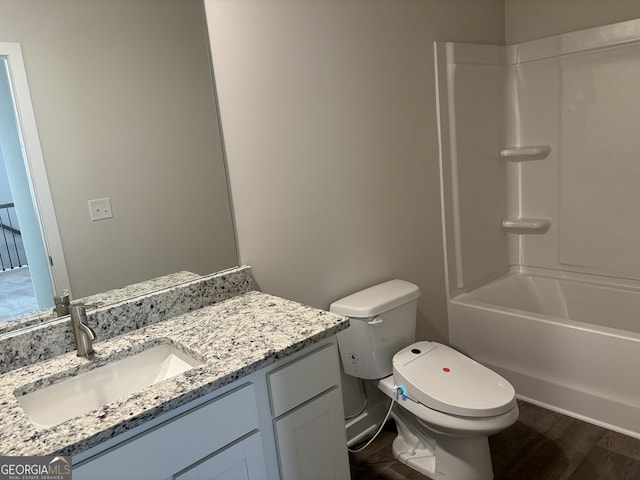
x=524, y=154
x=524, y=225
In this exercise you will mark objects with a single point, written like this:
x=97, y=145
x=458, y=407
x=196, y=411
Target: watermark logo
x=52, y=467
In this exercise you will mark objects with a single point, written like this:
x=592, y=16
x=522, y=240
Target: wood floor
x=541, y=445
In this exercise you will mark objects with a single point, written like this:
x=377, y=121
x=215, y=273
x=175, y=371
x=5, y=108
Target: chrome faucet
x=83, y=333
x=62, y=304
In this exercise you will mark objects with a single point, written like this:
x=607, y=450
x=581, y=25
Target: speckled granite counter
x=234, y=338
x=130, y=308
x=100, y=299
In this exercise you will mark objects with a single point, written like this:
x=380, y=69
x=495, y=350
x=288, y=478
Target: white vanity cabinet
x=309, y=443
x=309, y=418
x=243, y=460
x=187, y=443
x=284, y=421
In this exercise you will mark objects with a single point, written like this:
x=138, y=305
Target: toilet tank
x=383, y=321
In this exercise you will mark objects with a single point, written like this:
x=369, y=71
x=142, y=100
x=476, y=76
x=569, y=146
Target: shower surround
x=540, y=167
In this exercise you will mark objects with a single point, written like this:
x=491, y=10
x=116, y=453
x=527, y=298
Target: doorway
x=26, y=176
x=16, y=288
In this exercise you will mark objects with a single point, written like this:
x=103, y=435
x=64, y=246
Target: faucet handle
x=62, y=304
x=63, y=297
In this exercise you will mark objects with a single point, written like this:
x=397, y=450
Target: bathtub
x=568, y=342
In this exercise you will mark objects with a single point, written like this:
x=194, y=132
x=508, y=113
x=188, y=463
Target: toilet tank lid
x=376, y=300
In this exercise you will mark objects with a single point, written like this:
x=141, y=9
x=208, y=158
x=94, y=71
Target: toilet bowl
x=453, y=404
x=445, y=405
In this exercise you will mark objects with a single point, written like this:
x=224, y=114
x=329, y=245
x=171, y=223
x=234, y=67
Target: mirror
x=124, y=102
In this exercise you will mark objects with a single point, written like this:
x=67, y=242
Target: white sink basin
x=83, y=393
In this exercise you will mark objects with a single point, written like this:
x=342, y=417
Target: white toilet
x=447, y=404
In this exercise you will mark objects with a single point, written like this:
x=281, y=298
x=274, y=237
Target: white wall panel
x=600, y=170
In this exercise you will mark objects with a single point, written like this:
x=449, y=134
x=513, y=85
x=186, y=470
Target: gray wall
x=329, y=118
x=123, y=101
x=531, y=19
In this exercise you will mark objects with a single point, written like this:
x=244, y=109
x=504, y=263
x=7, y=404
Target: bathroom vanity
x=261, y=399
x=275, y=423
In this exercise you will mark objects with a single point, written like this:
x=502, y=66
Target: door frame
x=35, y=166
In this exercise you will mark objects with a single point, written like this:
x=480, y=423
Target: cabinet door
x=311, y=440
x=241, y=461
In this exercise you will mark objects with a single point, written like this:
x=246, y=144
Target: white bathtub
x=565, y=341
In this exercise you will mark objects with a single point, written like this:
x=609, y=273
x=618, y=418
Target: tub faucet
x=83, y=333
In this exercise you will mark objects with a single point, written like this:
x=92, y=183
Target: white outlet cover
x=100, y=208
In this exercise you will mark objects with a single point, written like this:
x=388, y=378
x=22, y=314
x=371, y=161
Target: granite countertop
x=112, y=296
x=234, y=338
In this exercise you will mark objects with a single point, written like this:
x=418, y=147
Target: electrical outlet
x=100, y=208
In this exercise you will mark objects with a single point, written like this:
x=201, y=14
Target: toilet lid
x=448, y=381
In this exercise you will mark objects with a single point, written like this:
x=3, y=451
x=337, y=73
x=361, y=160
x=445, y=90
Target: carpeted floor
x=16, y=292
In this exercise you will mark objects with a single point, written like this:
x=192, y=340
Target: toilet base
x=438, y=456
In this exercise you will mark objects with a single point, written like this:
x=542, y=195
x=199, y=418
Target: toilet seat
x=447, y=424
x=445, y=380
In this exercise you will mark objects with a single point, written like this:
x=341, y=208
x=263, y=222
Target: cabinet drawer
x=178, y=443
x=303, y=379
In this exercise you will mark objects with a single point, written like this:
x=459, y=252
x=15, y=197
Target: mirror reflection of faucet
x=82, y=332
x=62, y=304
